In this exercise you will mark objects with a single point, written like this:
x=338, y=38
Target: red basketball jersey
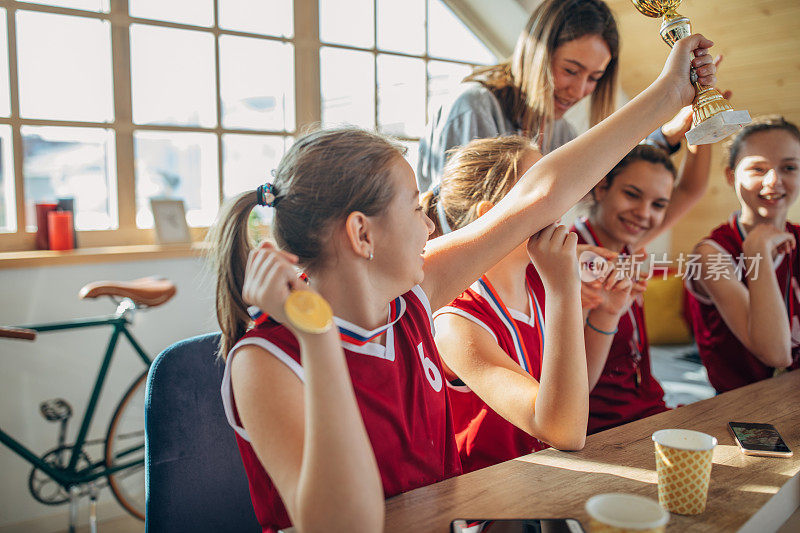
x=401, y=395
x=484, y=437
x=627, y=390
x=728, y=362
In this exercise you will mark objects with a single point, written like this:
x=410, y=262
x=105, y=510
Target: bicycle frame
x=70, y=475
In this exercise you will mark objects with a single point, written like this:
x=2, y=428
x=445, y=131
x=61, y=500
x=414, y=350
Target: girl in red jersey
x=744, y=304
x=332, y=421
x=522, y=380
x=635, y=202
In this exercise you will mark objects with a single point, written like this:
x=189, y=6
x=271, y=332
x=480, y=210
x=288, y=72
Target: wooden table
x=746, y=493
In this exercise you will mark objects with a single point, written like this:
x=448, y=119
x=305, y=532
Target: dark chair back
x=195, y=480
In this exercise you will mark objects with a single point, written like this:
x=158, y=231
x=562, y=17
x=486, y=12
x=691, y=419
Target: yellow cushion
x=663, y=311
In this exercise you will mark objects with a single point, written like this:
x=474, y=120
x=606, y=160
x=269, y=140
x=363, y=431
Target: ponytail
x=230, y=248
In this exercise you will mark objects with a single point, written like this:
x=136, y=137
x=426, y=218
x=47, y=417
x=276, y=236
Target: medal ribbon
x=505, y=316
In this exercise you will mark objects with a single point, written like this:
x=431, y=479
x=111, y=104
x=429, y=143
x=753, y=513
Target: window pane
x=449, y=38
x=5, y=103
x=257, y=83
x=74, y=163
x=270, y=17
x=401, y=26
x=348, y=87
x=180, y=166
x=248, y=162
x=64, y=67
x=350, y=22
x=401, y=95
x=100, y=6
x=8, y=210
x=173, y=76
x=412, y=154
x=196, y=12
x=443, y=79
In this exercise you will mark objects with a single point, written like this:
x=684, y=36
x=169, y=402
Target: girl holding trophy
x=330, y=420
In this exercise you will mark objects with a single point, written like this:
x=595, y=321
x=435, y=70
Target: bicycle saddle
x=148, y=292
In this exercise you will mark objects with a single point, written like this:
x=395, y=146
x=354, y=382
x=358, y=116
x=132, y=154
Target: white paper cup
x=683, y=463
x=625, y=513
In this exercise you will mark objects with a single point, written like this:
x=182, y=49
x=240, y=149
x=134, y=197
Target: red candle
x=59, y=228
x=42, y=239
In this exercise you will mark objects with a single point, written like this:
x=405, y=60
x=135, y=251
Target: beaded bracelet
x=598, y=330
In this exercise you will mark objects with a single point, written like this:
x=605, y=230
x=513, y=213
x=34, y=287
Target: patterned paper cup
x=683, y=463
x=625, y=513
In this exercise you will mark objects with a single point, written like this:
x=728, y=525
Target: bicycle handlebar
x=17, y=333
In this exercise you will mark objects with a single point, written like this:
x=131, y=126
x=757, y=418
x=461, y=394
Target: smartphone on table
x=533, y=525
x=759, y=439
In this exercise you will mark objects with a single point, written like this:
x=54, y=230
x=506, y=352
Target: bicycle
x=66, y=473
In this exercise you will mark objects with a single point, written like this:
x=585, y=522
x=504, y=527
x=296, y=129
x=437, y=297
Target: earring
x=370, y=256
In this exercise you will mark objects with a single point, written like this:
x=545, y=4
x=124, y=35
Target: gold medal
x=308, y=311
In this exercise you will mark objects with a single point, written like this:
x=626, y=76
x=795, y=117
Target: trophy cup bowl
x=713, y=116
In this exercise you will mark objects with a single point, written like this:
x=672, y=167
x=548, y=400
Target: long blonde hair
x=524, y=84
x=481, y=170
x=322, y=178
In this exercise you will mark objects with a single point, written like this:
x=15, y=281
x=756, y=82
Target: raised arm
x=308, y=435
x=747, y=310
x=556, y=409
x=560, y=179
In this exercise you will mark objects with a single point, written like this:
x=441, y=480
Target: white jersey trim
x=449, y=310
x=580, y=225
x=519, y=316
x=374, y=349
x=226, y=388
x=423, y=298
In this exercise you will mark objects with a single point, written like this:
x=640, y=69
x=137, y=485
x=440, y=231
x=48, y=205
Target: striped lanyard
x=504, y=314
x=260, y=317
x=352, y=334
x=787, y=292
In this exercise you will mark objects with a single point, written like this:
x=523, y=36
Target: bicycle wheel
x=125, y=444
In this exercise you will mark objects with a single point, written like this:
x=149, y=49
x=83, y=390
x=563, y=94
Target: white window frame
x=306, y=44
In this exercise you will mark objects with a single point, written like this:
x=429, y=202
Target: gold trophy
x=714, y=117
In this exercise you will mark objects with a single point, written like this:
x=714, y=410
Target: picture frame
x=169, y=217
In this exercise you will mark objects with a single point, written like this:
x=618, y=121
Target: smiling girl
x=638, y=200
x=744, y=304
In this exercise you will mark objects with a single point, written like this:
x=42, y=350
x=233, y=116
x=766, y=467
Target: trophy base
x=718, y=127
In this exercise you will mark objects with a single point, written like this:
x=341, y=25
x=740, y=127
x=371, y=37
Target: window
x=388, y=65
x=115, y=103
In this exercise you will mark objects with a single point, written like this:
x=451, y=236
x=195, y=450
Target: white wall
x=65, y=364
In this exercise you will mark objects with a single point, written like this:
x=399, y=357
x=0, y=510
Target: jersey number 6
x=431, y=372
